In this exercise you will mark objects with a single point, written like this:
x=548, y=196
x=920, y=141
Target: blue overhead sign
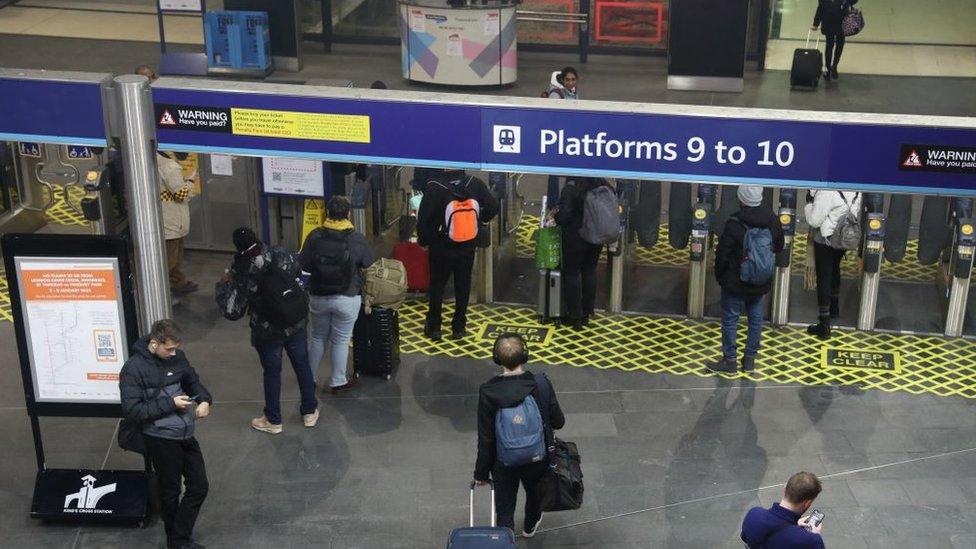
x=51, y=111
x=797, y=150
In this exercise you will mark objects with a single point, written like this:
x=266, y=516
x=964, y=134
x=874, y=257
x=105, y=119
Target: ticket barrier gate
x=780, y=305
x=700, y=250
x=617, y=251
x=960, y=271
x=872, y=254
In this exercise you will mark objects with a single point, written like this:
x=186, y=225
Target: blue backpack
x=758, y=262
x=519, y=434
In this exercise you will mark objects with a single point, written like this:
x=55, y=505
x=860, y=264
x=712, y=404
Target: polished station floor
x=669, y=461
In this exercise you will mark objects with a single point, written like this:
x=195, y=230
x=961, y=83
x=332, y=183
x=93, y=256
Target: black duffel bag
x=561, y=488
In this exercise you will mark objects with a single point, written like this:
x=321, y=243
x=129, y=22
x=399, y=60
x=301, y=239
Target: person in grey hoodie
x=158, y=387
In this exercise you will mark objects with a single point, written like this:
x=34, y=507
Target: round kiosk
x=472, y=44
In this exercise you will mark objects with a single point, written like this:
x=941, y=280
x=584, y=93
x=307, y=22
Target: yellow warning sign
x=191, y=168
x=312, y=218
x=874, y=224
x=967, y=229
x=700, y=213
x=784, y=219
x=834, y=357
x=350, y=128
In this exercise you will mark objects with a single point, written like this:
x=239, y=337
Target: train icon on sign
x=507, y=139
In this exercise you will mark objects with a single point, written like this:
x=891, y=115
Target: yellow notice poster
x=191, y=166
x=349, y=128
x=312, y=219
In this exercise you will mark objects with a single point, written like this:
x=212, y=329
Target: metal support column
x=700, y=250
x=137, y=137
x=779, y=313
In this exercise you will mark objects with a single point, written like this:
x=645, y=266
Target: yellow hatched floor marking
x=929, y=364
x=5, y=313
x=907, y=270
x=63, y=214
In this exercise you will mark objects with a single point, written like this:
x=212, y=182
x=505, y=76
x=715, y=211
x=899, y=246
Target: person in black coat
x=830, y=14
x=448, y=257
x=158, y=387
x=739, y=296
x=580, y=258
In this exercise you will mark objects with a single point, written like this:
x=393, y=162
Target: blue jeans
x=732, y=308
x=333, y=318
x=269, y=352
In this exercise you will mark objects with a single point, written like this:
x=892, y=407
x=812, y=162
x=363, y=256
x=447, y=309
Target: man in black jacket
x=737, y=295
x=158, y=387
x=505, y=391
x=448, y=257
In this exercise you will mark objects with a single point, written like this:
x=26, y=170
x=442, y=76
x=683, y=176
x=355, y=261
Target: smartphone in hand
x=816, y=518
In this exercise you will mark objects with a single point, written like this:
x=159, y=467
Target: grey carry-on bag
x=481, y=537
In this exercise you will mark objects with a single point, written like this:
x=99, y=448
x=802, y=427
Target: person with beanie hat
x=739, y=295
x=277, y=305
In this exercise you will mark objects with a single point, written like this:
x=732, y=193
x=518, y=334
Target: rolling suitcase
x=807, y=65
x=550, y=303
x=482, y=537
x=376, y=343
x=414, y=259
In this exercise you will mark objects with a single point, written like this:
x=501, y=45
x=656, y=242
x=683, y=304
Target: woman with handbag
x=829, y=18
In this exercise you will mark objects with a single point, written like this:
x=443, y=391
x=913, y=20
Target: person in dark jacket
x=780, y=526
x=830, y=14
x=506, y=390
x=252, y=263
x=738, y=295
x=448, y=257
x=158, y=387
x=335, y=256
x=580, y=258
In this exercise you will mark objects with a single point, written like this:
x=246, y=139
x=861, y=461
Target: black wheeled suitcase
x=376, y=343
x=807, y=65
x=482, y=537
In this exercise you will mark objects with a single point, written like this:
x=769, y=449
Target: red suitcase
x=414, y=259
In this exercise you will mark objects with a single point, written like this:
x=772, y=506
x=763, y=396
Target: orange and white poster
x=73, y=318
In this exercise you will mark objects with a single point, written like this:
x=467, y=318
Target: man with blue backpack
x=517, y=414
x=745, y=260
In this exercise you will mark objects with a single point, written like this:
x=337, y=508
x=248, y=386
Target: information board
x=73, y=317
x=293, y=176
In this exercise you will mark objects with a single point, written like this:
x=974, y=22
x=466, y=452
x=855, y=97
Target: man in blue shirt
x=780, y=526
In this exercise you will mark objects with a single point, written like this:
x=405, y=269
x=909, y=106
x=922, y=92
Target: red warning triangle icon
x=167, y=119
x=913, y=161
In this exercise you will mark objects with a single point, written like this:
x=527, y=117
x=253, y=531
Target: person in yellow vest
x=174, y=193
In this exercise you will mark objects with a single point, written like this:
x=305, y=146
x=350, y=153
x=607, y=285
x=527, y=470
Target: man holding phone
x=158, y=389
x=781, y=526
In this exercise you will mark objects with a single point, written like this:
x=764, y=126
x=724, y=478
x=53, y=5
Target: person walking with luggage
x=174, y=195
x=834, y=218
x=580, y=258
x=513, y=407
x=335, y=255
x=451, y=213
x=828, y=18
x=158, y=388
x=744, y=267
x=278, y=308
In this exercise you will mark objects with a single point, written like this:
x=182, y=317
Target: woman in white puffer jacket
x=823, y=211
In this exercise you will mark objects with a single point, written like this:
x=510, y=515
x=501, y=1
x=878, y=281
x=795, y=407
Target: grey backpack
x=601, y=216
x=847, y=233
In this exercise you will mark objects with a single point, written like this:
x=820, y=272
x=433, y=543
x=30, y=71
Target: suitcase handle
x=471, y=506
x=807, y=45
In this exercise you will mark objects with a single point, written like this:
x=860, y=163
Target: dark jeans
x=552, y=192
x=832, y=41
x=269, y=350
x=506, y=481
x=732, y=308
x=441, y=268
x=176, y=462
x=827, y=261
x=579, y=278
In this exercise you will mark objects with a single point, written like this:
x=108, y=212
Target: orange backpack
x=461, y=218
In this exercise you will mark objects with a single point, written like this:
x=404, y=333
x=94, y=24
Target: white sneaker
x=311, y=419
x=530, y=533
x=262, y=424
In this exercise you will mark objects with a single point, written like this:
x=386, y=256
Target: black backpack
x=281, y=300
x=332, y=265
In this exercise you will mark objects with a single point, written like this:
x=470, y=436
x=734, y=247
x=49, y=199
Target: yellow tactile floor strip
x=929, y=364
x=61, y=213
x=5, y=314
x=907, y=270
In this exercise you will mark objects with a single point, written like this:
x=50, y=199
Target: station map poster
x=294, y=177
x=73, y=317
